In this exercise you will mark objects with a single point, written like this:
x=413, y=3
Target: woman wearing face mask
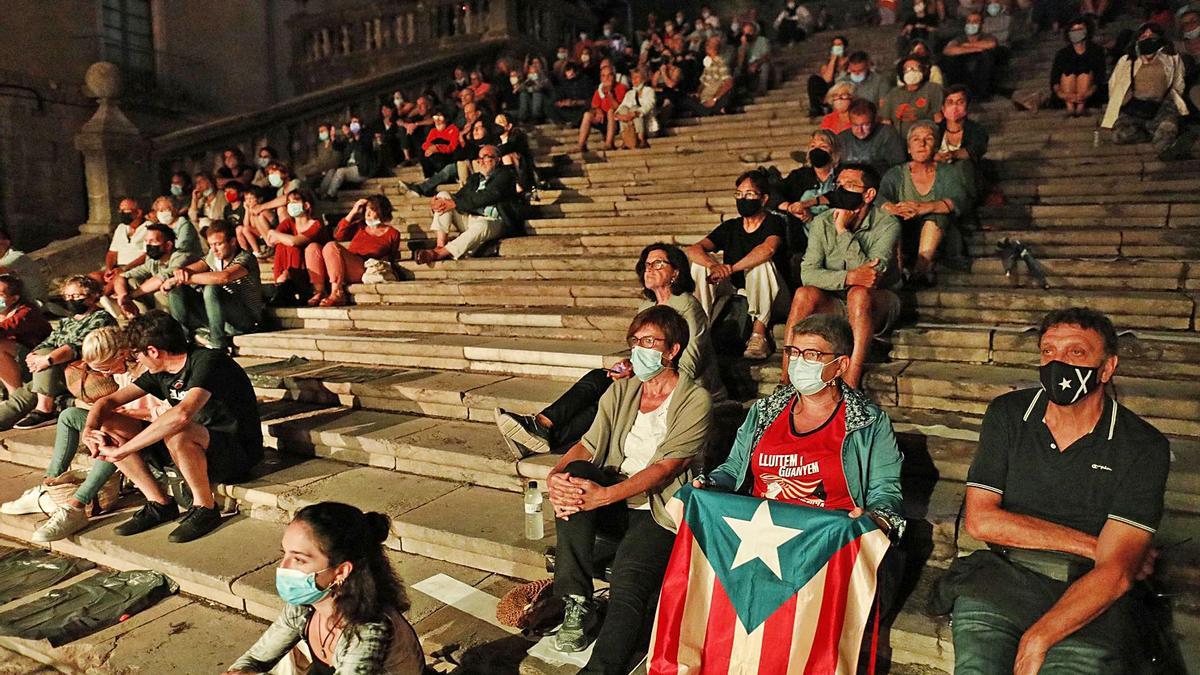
x=801, y=193
x=617, y=479
x=846, y=443
x=296, y=234
x=48, y=360
x=342, y=599
x=1077, y=78
x=919, y=49
x=920, y=24
x=962, y=138
x=186, y=239
x=368, y=228
x=917, y=99
x=207, y=201
x=928, y=198
x=1146, y=91
x=263, y=216
x=833, y=68
x=22, y=327
x=266, y=154
x=838, y=99
x=180, y=190
x=663, y=269
x=535, y=94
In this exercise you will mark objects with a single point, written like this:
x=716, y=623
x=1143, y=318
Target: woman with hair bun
x=344, y=601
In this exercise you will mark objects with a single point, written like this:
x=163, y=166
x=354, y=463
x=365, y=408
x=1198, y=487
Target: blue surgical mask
x=806, y=377
x=323, y=135
x=295, y=209
x=176, y=189
x=299, y=588
x=858, y=78
x=837, y=50
x=646, y=363
x=1191, y=34
x=971, y=28
x=355, y=127
x=994, y=8
x=275, y=180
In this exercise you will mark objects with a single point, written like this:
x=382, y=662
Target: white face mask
x=806, y=377
x=164, y=217
x=913, y=77
x=371, y=222
x=295, y=209
x=707, y=61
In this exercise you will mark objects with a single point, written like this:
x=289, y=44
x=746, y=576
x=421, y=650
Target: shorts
x=228, y=461
x=883, y=323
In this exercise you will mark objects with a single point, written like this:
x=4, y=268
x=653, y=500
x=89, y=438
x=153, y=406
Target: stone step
x=1023, y=306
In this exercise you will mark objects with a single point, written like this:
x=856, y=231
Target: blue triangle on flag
x=753, y=589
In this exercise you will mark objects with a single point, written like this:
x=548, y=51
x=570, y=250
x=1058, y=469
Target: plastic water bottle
x=1096, y=138
x=535, y=528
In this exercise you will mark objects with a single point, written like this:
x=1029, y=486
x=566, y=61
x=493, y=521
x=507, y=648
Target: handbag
x=87, y=385
x=376, y=271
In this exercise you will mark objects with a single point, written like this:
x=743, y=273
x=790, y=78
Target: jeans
x=332, y=182
x=214, y=308
x=66, y=444
x=693, y=105
x=572, y=414
x=447, y=174
x=637, y=570
x=975, y=71
x=532, y=106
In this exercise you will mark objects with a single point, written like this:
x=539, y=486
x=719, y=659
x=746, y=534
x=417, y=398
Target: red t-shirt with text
x=804, y=469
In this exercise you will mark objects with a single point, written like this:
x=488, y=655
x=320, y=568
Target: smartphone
x=619, y=369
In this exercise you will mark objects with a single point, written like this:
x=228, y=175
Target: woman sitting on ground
x=104, y=353
x=801, y=193
x=296, y=234
x=48, y=360
x=663, y=269
x=617, y=480
x=343, y=599
x=928, y=197
x=1078, y=77
x=368, y=228
x=22, y=327
x=839, y=98
x=831, y=69
x=819, y=420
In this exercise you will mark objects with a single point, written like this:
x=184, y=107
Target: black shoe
x=36, y=419
x=198, y=522
x=151, y=515
x=522, y=433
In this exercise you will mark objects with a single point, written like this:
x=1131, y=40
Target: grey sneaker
x=522, y=433
x=63, y=523
x=757, y=347
x=578, y=628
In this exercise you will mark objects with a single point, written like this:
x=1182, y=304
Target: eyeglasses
x=487, y=157
x=750, y=194
x=646, y=341
x=657, y=265
x=75, y=296
x=809, y=355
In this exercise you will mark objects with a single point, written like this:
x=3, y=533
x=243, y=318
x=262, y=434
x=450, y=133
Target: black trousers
x=637, y=570
x=572, y=414
x=975, y=71
x=817, y=88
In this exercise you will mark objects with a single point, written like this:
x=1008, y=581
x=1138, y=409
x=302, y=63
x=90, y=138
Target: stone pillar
x=116, y=158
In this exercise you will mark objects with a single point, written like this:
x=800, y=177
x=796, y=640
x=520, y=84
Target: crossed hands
x=570, y=495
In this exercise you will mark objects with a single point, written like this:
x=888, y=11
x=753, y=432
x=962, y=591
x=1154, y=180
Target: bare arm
x=758, y=255
x=988, y=522
x=104, y=406
x=699, y=253
x=225, y=276
x=169, y=423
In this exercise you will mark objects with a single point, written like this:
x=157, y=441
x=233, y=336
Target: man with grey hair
x=849, y=267
x=480, y=211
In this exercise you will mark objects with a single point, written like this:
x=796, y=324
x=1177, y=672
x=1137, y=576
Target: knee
x=806, y=296
x=185, y=443
x=580, y=467
x=72, y=418
x=331, y=248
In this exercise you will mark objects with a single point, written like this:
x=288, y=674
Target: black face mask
x=1149, y=45
x=1066, y=384
x=841, y=198
x=125, y=218
x=748, y=207
x=76, y=306
x=154, y=251
x=819, y=158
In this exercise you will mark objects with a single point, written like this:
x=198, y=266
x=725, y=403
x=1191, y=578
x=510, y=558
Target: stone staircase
x=388, y=403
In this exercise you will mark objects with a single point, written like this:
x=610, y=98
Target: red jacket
x=446, y=141
x=610, y=103
x=26, y=325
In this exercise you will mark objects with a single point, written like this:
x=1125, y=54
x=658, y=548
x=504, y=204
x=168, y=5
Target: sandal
x=335, y=299
x=316, y=299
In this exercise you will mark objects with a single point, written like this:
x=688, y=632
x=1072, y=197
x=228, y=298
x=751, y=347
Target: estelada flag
x=760, y=587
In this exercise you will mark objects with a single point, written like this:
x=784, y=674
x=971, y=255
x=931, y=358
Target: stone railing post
x=116, y=157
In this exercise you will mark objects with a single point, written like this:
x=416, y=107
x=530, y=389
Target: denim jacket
x=870, y=457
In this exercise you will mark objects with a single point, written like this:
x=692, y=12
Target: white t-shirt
x=128, y=247
x=648, y=432
x=30, y=272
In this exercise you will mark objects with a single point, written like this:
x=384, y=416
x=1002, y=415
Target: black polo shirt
x=1118, y=471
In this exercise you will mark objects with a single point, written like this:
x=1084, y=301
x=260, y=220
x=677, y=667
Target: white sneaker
x=63, y=523
x=29, y=502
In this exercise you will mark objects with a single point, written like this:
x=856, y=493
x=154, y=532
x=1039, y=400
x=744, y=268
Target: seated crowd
x=887, y=191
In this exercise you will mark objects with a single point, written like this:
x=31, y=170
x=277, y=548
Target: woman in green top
x=926, y=196
x=617, y=480
x=664, y=271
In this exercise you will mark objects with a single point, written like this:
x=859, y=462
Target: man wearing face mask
x=868, y=84
x=753, y=61
x=1067, y=489
x=850, y=268
x=1145, y=93
x=716, y=83
x=145, y=280
x=358, y=160
x=971, y=58
x=752, y=253
x=1189, y=51
x=869, y=142
x=126, y=249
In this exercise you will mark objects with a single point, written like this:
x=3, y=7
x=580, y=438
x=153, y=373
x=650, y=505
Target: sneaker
x=63, y=523
x=33, y=500
x=196, y=523
x=411, y=190
x=151, y=515
x=36, y=420
x=523, y=434
x=757, y=347
x=578, y=626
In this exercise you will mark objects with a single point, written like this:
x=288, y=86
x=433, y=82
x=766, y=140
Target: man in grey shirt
x=869, y=142
x=850, y=265
x=222, y=292
x=868, y=84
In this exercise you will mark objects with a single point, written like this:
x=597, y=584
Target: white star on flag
x=1065, y=384
x=760, y=539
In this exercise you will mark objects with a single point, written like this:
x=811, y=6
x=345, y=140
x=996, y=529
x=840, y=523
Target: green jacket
x=870, y=457
x=830, y=254
x=688, y=422
x=698, y=361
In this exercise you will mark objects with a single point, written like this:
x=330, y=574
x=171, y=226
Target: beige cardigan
x=688, y=422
